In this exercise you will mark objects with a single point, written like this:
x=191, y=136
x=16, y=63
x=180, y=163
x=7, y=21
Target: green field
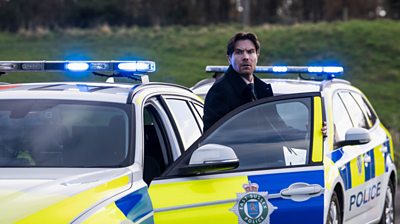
x=368, y=50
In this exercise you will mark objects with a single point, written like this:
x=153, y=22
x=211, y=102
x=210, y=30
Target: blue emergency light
x=329, y=71
x=130, y=69
x=78, y=66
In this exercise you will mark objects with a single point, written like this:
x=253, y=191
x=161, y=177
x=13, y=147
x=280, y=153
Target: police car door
x=262, y=163
x=363, y=166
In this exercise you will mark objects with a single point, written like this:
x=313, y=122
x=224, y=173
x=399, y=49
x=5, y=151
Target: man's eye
x=251, y=51
x=238, y=52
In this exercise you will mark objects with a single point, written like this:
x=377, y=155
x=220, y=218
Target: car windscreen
x=57, y=133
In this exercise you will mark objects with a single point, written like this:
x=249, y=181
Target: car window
x=44, y=133
x=157, y=154
x=274, y=134
x=341, y=119
x=369, y=113
x=185, y=121
x=199, y=111
x=356, y=114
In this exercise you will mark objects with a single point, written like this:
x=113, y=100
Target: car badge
x=253, y=206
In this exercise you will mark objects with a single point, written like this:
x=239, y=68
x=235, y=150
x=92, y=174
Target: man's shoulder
x=222, y=82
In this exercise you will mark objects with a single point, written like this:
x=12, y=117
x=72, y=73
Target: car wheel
x=334, y=212
x=388, y=209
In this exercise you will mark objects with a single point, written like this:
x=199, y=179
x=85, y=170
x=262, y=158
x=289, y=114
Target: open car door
x=261, y=163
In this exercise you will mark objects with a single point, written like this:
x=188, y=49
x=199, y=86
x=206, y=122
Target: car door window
x=185, y=121
x=198, y=112
x=274, y=134
x=368, y=112
x=356, y=114
x=341, y=119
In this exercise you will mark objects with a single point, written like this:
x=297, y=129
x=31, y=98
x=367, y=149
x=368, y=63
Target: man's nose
x=246, y=56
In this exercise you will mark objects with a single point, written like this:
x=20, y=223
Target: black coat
x=228, y=93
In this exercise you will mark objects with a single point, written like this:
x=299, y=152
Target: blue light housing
x=279, y=69
x=333, y=69
x=77, y=66
x=137, y=66
x=315, y=69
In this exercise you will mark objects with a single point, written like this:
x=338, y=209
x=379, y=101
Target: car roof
x=86, y=91
x=279, y=86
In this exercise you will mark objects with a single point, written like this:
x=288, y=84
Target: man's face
x=244, y=57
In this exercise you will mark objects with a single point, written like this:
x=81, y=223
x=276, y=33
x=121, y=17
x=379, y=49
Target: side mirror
x=211, y=158
x=355, y=136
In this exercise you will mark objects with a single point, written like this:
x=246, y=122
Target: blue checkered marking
x=370, y=170
x=288, y=210
x=136, y=205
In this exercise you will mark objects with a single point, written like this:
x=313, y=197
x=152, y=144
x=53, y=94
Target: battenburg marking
x=253, y=207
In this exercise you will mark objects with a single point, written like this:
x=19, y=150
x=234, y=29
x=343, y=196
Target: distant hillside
x=368, y=50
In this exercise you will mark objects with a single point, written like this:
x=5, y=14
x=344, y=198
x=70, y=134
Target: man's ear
x=229, y=59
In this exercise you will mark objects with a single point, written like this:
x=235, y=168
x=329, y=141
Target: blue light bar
x=77, y=66
x=286, y=69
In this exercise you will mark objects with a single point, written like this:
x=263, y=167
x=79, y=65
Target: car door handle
x=301, y=191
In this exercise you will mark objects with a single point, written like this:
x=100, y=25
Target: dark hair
x=242, y=36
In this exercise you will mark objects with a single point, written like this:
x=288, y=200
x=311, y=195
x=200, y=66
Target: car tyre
x=388, y=209
x=335, y=211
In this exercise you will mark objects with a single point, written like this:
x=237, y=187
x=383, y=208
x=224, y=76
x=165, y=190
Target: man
x=239, y=85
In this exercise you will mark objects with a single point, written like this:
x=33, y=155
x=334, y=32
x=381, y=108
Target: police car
x=79, y=152
x=288, y=172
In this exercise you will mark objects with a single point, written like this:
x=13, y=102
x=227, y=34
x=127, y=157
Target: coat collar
x=237, y=81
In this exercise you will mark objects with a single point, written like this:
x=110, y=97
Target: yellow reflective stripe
x=356, y=177
x=108, y=214
x=317, y=135
x=379, y=161
x=390, y=141
x=328, y=114
x=191, y=215
x=195, y=191
x=330, y=172
x=65, y=211
x=167, y=195
x=13, y=210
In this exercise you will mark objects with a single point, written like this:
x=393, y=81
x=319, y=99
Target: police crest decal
x=253, y=207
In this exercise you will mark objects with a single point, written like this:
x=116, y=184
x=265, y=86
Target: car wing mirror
x=211, y=158
x=355, y=136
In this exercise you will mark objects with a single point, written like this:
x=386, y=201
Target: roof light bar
x=78, y=66
x=286, y=69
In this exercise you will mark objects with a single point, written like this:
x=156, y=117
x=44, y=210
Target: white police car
x=287, y=172
x=75, y=152
x=119, y=153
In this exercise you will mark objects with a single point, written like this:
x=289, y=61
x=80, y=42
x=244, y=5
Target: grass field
x=368, y=50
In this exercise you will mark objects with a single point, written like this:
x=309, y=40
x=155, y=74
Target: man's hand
x=324, y=129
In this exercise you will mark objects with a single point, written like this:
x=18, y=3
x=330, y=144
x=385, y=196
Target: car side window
x=157, y=155
x=369, y=113
x=356, y=114
x=198, y=112
x=341, y=119
x=185, y=121
x=269, y=135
